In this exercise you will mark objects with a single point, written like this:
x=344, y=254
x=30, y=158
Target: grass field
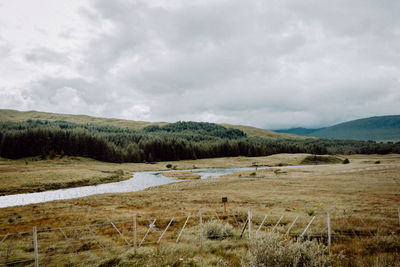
x=362, y=196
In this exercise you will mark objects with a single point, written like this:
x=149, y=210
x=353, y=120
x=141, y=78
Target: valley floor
x=363, y=195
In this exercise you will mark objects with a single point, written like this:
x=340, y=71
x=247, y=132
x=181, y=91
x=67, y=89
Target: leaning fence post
x=329, y=230
x=177, y=240
x=158, y=241
x=134, y=233
x=148, y=230
x=277, y=223
x=35, y=247
x=290, y=227
x=261, y=224
x=123, y=237
x=249, y=214
x=201, y=230
x=305, y=230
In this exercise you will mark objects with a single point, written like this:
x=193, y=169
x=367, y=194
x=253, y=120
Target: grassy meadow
x=362, y=197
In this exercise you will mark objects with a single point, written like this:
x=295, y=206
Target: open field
x=34, y=175
x=362, y=196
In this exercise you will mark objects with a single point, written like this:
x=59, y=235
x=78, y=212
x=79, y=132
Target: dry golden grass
x=182, y=175
x=361, y=196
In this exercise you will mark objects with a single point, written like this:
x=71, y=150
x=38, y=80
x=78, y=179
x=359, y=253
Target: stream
x=139, y=181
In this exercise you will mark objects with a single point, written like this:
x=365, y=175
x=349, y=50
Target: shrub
x=215, y=230
x=346, y=161
x=168, y=166
x=275, y=250
x=310, y=212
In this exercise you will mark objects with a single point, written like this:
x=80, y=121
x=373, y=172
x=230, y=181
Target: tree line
x=175, y=141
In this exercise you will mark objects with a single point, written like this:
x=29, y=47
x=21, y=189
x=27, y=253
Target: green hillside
x=19, y=116
x=382, y=128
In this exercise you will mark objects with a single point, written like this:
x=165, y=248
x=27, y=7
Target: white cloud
x=270, y=63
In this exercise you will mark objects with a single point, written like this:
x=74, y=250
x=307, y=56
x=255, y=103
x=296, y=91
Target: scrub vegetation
x=175, y=141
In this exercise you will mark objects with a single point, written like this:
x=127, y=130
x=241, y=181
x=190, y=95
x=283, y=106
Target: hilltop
x=19, y=116
x=380, y=128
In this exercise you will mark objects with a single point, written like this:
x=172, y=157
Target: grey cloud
x=266, y=63
x=44, y=55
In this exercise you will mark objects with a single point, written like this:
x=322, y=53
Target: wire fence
x=43, y=244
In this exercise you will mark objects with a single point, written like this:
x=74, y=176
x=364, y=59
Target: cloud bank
x=270, y=64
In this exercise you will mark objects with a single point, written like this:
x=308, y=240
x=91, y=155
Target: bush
x=214, y=230
x=274, y=250
x=346, y=161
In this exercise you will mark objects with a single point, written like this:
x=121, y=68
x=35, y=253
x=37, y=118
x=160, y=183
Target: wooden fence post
x=177, y=240
x=35, y=247
x=134, y=233
x=165, y=230
x=148, y=230
x=276, y=225
x=305, y=230
x=329, y=230
x=244, y=227
x=290, y=227
x=201, y=231
x=123, y=237
x=399, y=215
x=249, y=214
x=261, y=224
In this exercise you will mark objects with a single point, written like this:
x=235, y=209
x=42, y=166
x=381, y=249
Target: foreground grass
x=362, y=196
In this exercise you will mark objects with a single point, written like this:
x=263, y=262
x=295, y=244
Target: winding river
x=139, y=181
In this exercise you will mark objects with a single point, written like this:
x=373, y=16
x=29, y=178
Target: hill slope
x=381, y=128
x=18, y=116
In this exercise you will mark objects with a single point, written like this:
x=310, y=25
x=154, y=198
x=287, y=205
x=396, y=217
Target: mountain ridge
x=377, y=128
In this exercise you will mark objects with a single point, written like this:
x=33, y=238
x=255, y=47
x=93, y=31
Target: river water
x=139, y=181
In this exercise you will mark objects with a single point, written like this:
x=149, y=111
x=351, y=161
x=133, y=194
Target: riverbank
x=30, y=175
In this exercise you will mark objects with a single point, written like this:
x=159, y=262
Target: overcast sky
x=270, y=64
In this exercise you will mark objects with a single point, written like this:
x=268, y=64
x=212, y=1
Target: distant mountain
x=299, y=131
x=381, y=128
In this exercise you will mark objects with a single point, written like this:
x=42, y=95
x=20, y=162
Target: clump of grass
x=275, y=250
x=310, y=212
x=215, y=230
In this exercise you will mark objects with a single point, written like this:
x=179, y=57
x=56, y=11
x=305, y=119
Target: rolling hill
x=18, y=116
x=381, y=128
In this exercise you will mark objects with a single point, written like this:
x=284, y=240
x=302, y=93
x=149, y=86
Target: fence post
x=201, y=231
x=290, y=227
x=134, y=233
x=177, y=240
x=399, y=215
x=35, y=246
x=305, y=230
x=249, y=224
x=276, y=225
x=261, y=224
x=148, y=230
x=165, y=230
x=123, y=237
x=329, y=230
